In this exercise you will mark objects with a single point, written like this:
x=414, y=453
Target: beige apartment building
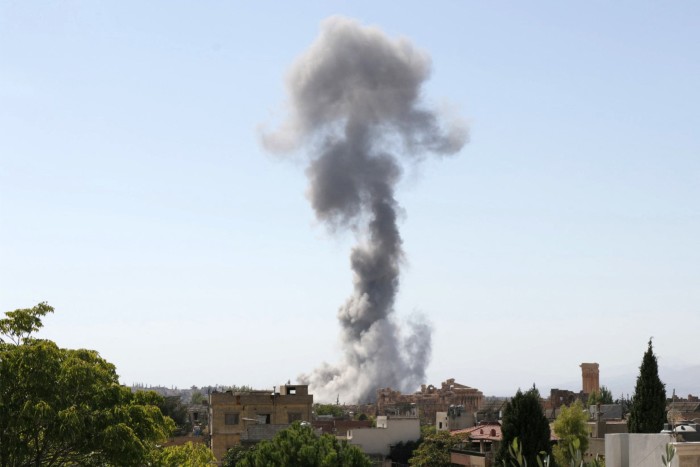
x=252, y=416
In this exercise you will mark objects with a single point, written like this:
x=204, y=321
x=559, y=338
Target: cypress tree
x=524, y=419
x=648, y=410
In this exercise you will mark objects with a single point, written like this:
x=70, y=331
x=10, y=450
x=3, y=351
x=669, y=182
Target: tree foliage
x=197, y=398
x=647, y=413
x=570, y=427
x=185, y=455
x=401, y=452
x=66, y=407
x=604, y=396
x=298, y=445
x=625, y=404
x=18, y=325
x=523, y=418
x=172, y=406
x=336, y=411
x=434, y=450
x=235, y=455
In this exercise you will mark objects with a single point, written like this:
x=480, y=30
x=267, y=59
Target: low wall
x=687, y=454
x=636, y=449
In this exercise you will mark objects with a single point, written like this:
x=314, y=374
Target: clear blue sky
x=135, y=197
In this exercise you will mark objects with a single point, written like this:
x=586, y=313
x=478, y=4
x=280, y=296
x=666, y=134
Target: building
x=605, y=419
x=377, y=442
x=563, y=397
x=252, y=416
x=487, y=435
x=429, y=400
x=338, y=426
x=198, y=415
x=590, y=383
x=590, y=374
x=680, y=409
x=491, y=410
x=455, y=418
x=646, y=449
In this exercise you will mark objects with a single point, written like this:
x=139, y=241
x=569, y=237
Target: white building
x=389, y=431
x=636, y=449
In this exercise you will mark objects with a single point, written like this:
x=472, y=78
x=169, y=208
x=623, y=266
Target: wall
x=470, y=460
x=636, y=449
x=442, y=423
x=596, y=446
x=688, y=454
x=249, y=406
x=389, y=431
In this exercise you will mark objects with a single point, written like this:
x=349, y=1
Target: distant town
x=228, y=417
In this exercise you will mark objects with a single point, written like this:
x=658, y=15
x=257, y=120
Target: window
x=263, y=418
x=293, y=416
x=231, y=418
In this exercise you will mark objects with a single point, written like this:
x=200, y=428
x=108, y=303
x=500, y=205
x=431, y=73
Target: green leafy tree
x=401, y=452
x=66, y=407
x=523, y=418
x=427, y=430
x=602, y=397
x=185, y=455
x=172, y=407
x=235, y=455
x=19, y=325
x=329, y=409
x=298, y=445
x=647, y=413
x=606, y=396
x=625, y=404
x=570, y=427
x=434, y=450
x=197, y=398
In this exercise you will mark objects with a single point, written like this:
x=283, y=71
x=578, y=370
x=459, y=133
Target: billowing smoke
x=355, y=103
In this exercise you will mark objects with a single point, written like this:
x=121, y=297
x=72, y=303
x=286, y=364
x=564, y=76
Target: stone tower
x=589, y=374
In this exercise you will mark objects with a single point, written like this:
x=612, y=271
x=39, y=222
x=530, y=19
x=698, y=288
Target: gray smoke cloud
x=355, y=103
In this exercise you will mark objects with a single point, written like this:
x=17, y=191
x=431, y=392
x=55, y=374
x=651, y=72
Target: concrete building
x=491, y=410
x=198, y=415
x=252, y=416
x=338, y=426
x=455, y=418
x=377, y=441
x=645, y=450
x=605, y=420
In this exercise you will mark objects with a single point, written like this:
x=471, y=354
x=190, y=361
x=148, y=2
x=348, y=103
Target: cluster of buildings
x=243, y=417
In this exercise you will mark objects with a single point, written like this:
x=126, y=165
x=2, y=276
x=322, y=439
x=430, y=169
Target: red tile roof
x=486, y=432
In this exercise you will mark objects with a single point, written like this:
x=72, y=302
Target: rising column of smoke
x=355, y=102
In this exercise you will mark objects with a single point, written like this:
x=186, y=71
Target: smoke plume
x=355, y=103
